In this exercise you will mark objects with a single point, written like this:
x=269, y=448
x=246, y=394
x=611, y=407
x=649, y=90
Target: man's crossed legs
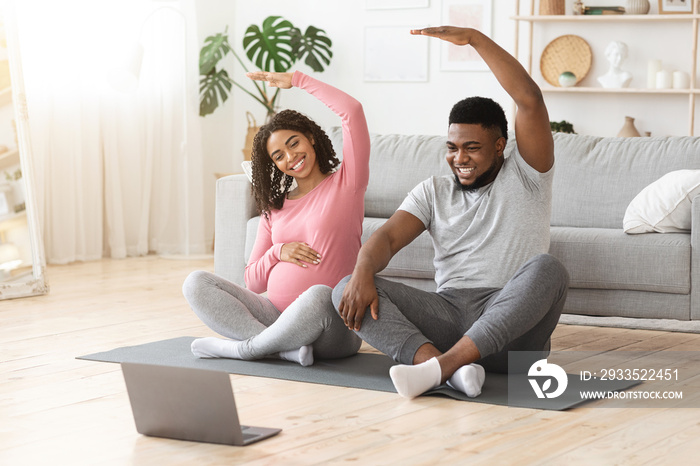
x=438, y=336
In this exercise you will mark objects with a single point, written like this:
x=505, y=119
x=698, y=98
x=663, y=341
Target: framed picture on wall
x=465, y=13
x=405, y=61
x=395, y=4
x=675, y=6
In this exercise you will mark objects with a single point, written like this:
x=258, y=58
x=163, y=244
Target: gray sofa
x=653, y=275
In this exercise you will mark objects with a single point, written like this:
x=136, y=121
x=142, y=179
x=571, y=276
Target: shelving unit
x=11, y=224
x=15, y=220
x=11, y=157
x=580, y=22
x=8, y=159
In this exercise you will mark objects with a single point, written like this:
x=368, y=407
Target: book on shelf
x=603, y=10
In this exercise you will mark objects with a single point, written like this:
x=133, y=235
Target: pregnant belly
x=287, y=281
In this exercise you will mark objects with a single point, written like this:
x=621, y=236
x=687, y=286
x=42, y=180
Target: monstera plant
x=276, y=46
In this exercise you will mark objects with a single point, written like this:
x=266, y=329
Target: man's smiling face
x=475, y=154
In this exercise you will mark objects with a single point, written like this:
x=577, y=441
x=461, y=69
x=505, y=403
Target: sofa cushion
x=599, y=258
x=397, y=164
x=596, y=258
x=664, y=205
x=596, y=178
x=413, y=261
x=250, y=236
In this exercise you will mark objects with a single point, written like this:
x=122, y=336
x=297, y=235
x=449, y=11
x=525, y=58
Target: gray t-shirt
x=482, y=238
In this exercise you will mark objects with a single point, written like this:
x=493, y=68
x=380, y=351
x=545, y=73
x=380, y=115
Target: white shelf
x=10, y=221
x=581, y=22
x=605, y=18
x=602, y=90
x=8, y=159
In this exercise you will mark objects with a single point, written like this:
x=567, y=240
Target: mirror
x=22, y=260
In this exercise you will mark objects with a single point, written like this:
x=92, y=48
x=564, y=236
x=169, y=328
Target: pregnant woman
x=308, y=238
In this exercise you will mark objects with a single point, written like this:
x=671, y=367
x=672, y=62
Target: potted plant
x=276, y=46
x=562, y=126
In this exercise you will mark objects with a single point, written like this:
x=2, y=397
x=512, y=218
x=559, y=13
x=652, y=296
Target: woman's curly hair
x=270, y=185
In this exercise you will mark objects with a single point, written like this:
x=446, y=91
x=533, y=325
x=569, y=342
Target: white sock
x=411, y=381
x=212, y=347
x=468, y=379
x=303, y=355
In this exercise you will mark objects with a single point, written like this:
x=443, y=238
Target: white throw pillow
x=247, y=167
x=664, y=205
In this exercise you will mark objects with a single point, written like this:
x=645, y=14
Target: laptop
x=187, y=404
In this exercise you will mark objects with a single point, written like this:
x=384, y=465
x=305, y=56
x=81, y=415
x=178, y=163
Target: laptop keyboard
x=247, y=436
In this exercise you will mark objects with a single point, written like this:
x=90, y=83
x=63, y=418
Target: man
x=497, y=290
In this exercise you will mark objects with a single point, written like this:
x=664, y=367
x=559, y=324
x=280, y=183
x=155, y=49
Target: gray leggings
x=519, y=317
x=238, y=313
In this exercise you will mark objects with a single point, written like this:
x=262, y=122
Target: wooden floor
x=57, y=410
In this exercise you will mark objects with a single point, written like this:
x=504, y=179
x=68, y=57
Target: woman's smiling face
x=292, y=152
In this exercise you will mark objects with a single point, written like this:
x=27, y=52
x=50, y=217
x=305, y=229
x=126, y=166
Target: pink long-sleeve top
x=328, y=218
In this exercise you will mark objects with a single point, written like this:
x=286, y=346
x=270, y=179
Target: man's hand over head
x=453, y=34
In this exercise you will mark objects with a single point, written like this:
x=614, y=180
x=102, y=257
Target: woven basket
x=552, y=7
x=565, y=53
x=253, y=129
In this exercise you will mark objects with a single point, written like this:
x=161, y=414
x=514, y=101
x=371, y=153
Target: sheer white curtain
x=118, y=173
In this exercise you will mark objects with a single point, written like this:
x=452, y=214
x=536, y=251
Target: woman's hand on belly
x=300, y=254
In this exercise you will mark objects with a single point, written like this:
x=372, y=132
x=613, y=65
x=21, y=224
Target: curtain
x=118, y=171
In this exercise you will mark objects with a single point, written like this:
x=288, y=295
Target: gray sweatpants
x=237, y=313
x=519, y=317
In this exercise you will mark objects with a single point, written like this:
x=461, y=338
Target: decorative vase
x=628, y=129
x=567, y=79
x=637, y=7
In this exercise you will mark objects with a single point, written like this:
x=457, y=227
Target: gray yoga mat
x=364, y=370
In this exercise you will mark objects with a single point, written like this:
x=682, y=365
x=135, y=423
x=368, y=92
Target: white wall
x=422, y=108
x=406, y=108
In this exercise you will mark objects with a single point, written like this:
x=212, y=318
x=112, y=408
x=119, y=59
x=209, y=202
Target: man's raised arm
x=532, y=130
x=360, y=292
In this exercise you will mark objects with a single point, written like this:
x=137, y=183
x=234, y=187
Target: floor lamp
x=126, y=79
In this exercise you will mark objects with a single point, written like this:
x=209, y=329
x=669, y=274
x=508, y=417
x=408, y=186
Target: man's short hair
x=480, y=111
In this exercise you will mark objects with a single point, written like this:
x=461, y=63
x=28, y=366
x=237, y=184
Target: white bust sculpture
x=615, y=52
